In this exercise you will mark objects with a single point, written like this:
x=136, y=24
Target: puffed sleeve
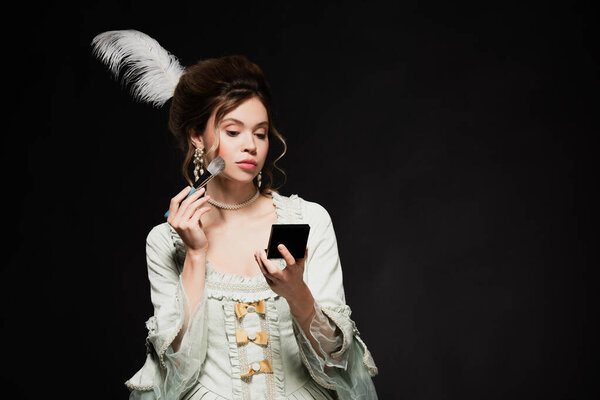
x=167, y=374
x=345, y=364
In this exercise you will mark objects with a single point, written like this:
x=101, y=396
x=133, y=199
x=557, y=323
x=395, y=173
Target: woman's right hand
x=185, y=218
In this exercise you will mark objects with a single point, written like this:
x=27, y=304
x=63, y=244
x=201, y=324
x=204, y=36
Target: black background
x=450, y=143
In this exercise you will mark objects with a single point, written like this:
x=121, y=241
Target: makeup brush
x=215, y=167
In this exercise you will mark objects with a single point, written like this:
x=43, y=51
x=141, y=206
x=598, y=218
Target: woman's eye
x=232, y=133
x=261, y=135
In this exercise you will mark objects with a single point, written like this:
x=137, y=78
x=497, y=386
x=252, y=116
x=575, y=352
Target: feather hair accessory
x=150, y=71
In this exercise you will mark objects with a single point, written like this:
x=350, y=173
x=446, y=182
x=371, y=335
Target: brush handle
x=202, y=184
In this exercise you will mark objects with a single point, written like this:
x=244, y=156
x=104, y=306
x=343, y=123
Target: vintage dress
x=242, y=341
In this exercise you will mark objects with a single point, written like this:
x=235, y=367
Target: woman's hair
x=220, y=84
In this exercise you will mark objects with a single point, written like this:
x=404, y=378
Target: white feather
x=150, y=71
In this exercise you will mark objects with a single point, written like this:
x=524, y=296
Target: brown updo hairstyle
x=220, y=84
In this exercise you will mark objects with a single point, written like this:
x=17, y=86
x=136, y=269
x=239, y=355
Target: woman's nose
x=249, y=143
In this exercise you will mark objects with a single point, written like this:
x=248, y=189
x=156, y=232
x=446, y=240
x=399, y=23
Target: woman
x=229, y=323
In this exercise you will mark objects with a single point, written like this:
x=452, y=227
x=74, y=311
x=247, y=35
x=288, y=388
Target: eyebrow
x=237, y=121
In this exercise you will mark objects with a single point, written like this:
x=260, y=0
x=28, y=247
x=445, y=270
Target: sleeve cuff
x=167, y=372
x=351, y=378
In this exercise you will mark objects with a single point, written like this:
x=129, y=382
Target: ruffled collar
x=287, y=208
x=220, y=285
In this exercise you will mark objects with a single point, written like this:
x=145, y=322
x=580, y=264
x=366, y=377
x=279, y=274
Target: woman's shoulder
x=161, y=233
x=164, y=239
x=311, y=211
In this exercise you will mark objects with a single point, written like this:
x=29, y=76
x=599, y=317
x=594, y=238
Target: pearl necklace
x=235, y=206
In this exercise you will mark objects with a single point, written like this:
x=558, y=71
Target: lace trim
x=236, y=287
x=309, y=368
x=230, y=287
x=168, y=342
x=243, y=358
x=340, y=324
x=367, y=359
x=272, y=352
x=287, y=207
x=140, y=388
x=238, y=360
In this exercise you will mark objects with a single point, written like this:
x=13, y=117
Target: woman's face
x=243, y=136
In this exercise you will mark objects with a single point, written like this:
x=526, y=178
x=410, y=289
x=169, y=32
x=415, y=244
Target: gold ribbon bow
x=241, y=309
x=241, y=336
x=263, y=366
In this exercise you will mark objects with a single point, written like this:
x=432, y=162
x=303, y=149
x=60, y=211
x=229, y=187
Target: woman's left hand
x=288, y=282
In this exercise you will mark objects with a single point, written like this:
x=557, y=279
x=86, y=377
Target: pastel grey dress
x=242, y=341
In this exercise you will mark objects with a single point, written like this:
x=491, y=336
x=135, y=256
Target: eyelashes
x=235, y=133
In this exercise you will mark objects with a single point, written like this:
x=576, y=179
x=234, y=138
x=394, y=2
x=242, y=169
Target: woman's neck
x=230, y=192
x=234, y=194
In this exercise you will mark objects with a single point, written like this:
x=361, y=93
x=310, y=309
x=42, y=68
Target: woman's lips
x=246, y=165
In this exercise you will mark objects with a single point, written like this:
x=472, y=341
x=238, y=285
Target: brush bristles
x=216, y=166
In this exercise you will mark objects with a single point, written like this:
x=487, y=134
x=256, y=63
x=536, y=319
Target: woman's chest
x=231, y=248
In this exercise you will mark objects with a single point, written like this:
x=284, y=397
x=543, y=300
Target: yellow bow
x=241, y=336
x=241, y=309
x=263, y=366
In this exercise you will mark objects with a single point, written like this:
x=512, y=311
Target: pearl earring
x=198, y=169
